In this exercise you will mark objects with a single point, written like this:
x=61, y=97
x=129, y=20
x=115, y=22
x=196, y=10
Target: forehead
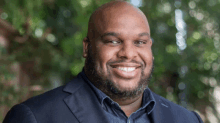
x=125, y=20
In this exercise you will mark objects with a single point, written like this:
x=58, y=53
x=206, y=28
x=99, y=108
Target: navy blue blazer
x=77, y=103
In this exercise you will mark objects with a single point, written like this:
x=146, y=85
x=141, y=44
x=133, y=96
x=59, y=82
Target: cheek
x=147, y=57
x=103, y=55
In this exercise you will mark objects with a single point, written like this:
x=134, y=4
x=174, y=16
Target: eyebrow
x=110, y=34
x=116, y=34
x=144, y=34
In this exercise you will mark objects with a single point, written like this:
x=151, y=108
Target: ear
x=85, y=47
x=151, y=41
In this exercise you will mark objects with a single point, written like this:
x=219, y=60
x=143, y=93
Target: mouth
x=126, y=71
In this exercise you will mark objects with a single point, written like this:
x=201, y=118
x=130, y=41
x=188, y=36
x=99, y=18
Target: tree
x=192, y=73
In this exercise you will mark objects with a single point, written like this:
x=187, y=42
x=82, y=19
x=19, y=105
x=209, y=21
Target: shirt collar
x=101, y=96
x=148, y=101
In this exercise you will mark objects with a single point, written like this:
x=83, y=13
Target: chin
x=126, y=85
x=127, y=88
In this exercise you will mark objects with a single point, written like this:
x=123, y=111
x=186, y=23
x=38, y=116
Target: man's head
x=117, y=49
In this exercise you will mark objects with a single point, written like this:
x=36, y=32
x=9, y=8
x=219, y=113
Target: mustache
x=124, y=61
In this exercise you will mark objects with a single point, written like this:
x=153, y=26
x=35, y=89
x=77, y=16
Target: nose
x=127, y=51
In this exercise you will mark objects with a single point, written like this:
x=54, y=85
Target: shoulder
x=45, y=106
x=165, y=102
x=177, y=111
x=20, y=113
x=56, y=96
x=26, y=111
x=47, y=97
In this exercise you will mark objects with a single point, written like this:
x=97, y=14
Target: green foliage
x=201, y=57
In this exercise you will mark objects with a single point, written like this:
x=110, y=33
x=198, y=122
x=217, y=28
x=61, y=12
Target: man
x=113, y=85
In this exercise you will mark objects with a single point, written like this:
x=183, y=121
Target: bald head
x=118, y=39
x=111, y=13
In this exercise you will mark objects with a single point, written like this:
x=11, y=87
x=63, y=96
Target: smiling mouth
x=126, y=69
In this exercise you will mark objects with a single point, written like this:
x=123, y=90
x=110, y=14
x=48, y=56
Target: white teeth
x=127, y=69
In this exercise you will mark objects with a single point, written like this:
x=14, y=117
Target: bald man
x=112, y=88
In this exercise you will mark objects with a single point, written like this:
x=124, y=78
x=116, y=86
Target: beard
x=106, y=84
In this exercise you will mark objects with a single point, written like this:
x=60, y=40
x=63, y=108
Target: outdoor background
x=41, y=48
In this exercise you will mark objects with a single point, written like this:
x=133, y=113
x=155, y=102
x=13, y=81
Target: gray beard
x=110, y=88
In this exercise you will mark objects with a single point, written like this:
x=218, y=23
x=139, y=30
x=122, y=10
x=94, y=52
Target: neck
x=130, y=105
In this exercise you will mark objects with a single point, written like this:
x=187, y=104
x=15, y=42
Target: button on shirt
x=116, y=115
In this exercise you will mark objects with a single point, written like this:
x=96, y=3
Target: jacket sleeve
x=198, y=117
x=20, y=114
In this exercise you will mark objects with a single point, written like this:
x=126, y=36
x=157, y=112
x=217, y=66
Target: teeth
x=127, y=69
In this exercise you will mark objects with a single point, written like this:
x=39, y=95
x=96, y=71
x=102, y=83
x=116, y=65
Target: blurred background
x=41, y=48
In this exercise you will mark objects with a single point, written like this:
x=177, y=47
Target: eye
x=113, y=42
x=140, y=42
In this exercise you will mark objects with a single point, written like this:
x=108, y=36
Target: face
x=119, y=60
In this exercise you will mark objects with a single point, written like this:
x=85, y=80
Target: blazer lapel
x=162, y=112
x=83, y=102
